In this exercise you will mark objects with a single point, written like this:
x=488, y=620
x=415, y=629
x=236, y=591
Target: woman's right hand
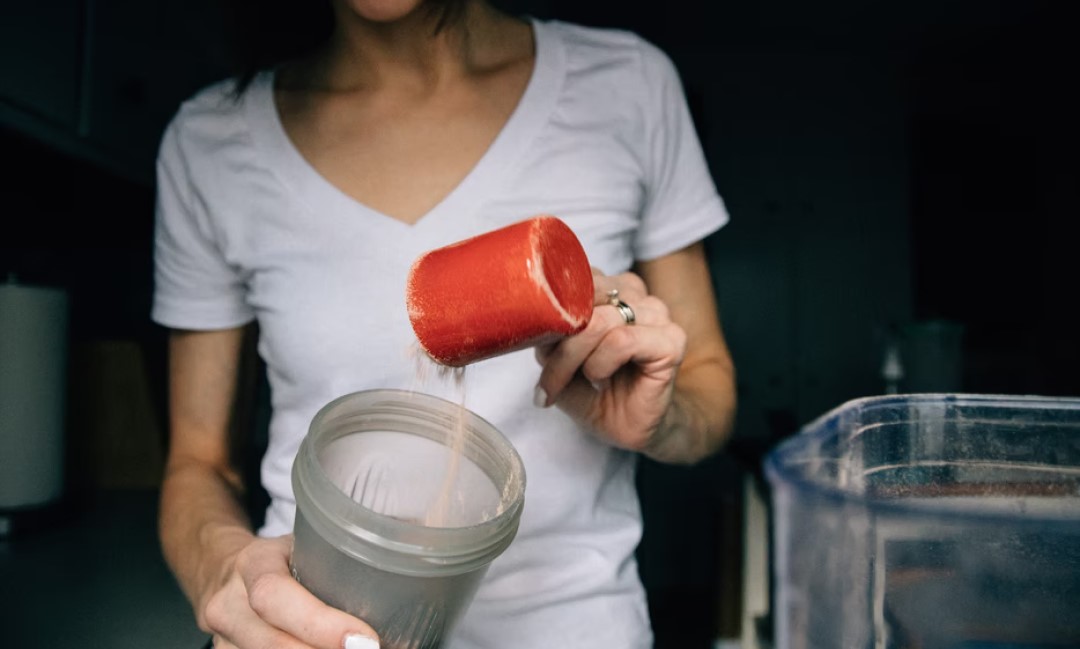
x=256, y=603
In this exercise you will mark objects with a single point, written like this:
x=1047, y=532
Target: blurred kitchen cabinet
x=849, y=178
x=144, y=59
x=40, y=45
x=810, y=154
x=115, y=420
x=99, y=79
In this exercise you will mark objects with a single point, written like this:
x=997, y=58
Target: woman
x=301, y=203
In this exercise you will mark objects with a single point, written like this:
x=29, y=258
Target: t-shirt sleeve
x=682, y=205
x=195, y=287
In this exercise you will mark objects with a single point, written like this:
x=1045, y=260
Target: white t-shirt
x=247, y=229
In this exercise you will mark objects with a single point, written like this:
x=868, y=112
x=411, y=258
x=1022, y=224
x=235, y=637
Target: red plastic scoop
x=522, y=285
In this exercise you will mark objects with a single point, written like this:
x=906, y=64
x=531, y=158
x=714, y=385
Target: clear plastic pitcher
x=929, y=521
x=402, y=502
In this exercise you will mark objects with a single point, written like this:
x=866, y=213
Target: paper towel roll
x=33, y=370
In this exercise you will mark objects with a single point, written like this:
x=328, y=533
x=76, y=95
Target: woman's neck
x=364, y=54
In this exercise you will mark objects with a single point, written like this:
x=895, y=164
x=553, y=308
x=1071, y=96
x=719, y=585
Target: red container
x=522, y=285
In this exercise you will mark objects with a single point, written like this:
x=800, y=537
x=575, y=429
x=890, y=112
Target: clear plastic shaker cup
x=392, y=524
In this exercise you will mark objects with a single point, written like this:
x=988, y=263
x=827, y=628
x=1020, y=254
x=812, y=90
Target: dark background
x=886, y=164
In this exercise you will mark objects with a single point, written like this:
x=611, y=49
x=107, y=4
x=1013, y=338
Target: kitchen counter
x=94, y=578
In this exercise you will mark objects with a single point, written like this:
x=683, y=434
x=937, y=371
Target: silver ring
x=624, y=309
x=626, y=312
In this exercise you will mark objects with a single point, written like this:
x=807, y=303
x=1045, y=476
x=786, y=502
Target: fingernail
x=358, y=641
x=600, y=385
x=540, y=398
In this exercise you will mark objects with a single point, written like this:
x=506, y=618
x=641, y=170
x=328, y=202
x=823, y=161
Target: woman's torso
x=324, y=274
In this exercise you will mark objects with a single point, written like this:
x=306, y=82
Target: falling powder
x=439, y=513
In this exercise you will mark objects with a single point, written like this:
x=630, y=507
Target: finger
x=236, y=625
x=563, y=360
x=281, y=601
x=647, y=310
x=653, y=350
x=625, y=415
x=629, y=285
x=542, y=352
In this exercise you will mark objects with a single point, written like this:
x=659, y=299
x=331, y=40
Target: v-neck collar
x=528, y=117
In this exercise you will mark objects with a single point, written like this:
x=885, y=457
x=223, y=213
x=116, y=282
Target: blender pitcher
x=936, y=521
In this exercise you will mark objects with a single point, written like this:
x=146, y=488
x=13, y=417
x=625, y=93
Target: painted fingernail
x=358, y=641
x=540, y=397
x=600, y=385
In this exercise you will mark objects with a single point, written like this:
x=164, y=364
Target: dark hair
x=265, y=33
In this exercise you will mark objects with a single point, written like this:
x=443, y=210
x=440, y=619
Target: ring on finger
x=623, y=308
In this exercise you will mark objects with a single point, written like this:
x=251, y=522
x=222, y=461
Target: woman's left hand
x=616, y=376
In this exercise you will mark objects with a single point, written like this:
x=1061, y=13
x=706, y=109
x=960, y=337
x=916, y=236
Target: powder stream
x=440, y=512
